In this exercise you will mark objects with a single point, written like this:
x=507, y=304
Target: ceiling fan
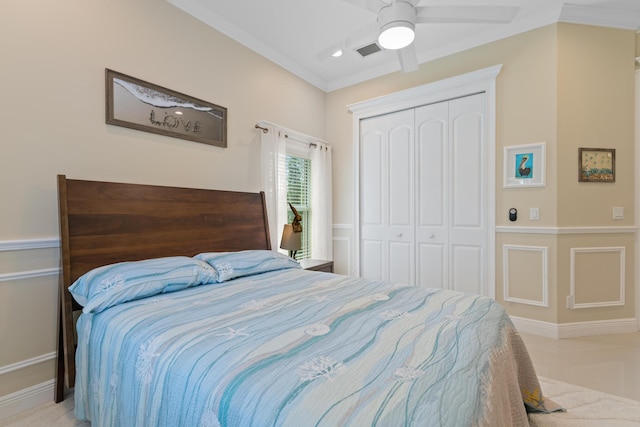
x=394, y=28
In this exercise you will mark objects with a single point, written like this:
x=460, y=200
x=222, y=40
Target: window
x=298, y=175
x=296, y=169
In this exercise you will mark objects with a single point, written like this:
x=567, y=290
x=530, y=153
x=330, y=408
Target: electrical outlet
x=571, y=300
x=618, y=213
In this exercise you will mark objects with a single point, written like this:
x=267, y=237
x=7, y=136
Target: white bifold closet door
x=423, y=196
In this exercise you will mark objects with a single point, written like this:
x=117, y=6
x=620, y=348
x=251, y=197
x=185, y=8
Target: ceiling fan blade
x=408, y=58
x=466, y=14
x=372, y=5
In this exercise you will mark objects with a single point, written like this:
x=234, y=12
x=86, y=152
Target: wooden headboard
x=103, y=223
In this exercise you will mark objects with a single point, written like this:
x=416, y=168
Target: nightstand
x=317, y=265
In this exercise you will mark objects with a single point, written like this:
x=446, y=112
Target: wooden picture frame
x=596, y=165
x=140, y=105
x=524, y=165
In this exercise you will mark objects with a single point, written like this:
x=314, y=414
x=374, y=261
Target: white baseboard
x=575, y=329
x=28, y=398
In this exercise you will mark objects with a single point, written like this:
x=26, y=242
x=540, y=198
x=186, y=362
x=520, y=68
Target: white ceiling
x=291, y=33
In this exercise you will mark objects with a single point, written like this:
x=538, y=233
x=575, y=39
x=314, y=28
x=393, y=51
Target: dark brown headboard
x=103, y=223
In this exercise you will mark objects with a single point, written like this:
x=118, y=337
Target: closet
x=423, y=196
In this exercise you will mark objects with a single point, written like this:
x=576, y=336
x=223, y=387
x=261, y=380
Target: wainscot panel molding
x=342, y=255
x=575, y=253
x=544, y=283
x=575, y=329
x=26, y=363
x=343, y=251
x=566, y=230
x=25, y=399
x=28, y=274
x=27, y=244
x=343, y=226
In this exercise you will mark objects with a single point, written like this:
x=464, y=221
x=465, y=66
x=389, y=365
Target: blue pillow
x=109, y=285
x=231, y=265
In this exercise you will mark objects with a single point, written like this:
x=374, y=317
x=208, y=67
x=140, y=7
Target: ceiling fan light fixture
x=397, y=25
x=397, y=35
x=337, y=53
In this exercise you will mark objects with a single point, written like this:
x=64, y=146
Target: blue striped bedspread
x=302, y=348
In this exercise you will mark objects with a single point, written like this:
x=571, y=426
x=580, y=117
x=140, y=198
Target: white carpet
x=585, y=408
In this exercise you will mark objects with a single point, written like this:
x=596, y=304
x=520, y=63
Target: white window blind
x=298, y=173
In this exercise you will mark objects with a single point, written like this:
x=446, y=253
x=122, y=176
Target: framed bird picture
x=524, y=165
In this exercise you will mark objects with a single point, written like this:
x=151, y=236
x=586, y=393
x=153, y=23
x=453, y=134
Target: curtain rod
x=301, y=136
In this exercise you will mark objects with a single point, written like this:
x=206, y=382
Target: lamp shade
x=290, y=241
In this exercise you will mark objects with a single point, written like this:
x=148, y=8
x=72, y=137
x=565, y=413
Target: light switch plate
x=534, y=214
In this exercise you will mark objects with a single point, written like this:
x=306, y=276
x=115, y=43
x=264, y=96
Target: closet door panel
x=371, y=185
x=399, y=254
x=468, y=222
x=432, y=170
x=401, y=176
x=467, y=169
x=387, y=204
x=431, y=136
x=466, y=268
x=400, y=236
x=432, y=264
x=372, y=251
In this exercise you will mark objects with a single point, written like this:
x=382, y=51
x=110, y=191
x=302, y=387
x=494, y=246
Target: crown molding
x=587, y=15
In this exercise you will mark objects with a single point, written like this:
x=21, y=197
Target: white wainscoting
x=27, y=244
x=343, y=249
x=543, y=268
x=30, y=397
x=575, y=329
x=566, y=230
x=26, y=399
x=575, y=253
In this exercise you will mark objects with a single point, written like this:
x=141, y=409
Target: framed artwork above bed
x=136, y=104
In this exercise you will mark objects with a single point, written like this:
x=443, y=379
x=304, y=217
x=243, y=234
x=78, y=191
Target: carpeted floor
x=585, y=408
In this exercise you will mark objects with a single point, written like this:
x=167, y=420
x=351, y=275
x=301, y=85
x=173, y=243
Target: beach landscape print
x=140, y=105
x=597, y=165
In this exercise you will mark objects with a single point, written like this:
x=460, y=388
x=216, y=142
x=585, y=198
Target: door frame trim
x=479, y=81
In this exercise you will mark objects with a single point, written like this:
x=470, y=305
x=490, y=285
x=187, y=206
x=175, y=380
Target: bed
x=189, y=319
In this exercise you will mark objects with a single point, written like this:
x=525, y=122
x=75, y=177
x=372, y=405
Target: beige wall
x=566, y=85
x=53, y=122
x=526, y=112
x=54, y=56
x=595, y=109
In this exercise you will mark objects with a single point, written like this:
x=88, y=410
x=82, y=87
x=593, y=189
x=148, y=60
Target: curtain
x=321, y=202
x=273, y=151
